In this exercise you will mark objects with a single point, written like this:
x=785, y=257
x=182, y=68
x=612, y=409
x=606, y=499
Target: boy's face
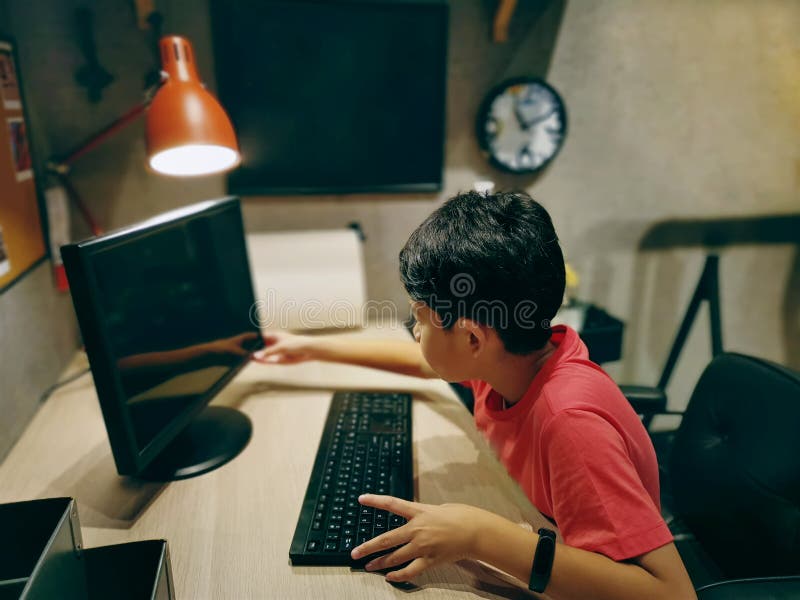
x=449, y=352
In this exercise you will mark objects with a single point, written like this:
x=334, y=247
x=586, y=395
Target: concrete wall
x=678, y=110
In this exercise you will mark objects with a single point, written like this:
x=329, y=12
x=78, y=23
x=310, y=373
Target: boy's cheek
x=442, y=364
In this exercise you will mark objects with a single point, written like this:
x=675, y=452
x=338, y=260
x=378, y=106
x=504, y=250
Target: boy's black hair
x=492, y=258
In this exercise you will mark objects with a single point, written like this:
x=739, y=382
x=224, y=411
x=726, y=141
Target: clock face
x=522, y=125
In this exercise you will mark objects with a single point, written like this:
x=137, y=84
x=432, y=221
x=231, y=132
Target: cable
x=49, y=391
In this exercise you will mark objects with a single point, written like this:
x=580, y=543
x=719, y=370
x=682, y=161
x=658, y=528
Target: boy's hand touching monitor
x=285, y=349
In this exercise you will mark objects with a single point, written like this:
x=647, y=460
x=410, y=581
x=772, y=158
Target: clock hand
x=520, y=119
x=538, y=120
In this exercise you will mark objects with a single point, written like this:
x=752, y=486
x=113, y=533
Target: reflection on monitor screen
x=176, y=316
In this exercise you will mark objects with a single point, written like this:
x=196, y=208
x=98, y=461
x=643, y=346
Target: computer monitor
x=164, y=308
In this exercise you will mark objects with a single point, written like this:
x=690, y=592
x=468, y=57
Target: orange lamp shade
x=188, y=132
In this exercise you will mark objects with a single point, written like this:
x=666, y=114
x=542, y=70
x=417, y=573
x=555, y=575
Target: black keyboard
x=365, y=447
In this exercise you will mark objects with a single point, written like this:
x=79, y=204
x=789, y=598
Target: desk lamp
x=187, y=131
x=187, y=134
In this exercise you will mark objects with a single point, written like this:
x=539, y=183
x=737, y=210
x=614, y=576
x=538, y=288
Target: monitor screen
x=333, y=96
x=170, y=304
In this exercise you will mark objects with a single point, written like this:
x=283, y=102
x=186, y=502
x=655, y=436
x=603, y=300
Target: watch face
x=522, y=125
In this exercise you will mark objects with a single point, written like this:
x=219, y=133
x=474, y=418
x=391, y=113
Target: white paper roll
x=308, y=279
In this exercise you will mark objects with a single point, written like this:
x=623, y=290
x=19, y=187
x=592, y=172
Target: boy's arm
x=398, y=356
x=581, y=574
x=446, y=533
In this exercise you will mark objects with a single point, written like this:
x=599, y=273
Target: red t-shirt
x=580, y=453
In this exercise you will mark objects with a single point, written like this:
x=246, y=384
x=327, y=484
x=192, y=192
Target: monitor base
x=215, y=436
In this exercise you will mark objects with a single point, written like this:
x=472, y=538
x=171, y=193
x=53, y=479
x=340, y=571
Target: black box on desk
x=42, y=557
x=602, y=334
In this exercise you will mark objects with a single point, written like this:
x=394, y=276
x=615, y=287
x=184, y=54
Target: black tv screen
x=333, y=96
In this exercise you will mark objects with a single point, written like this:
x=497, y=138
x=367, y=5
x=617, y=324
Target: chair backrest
x=735, y=466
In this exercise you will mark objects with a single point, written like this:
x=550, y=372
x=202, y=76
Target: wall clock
x=521, y=125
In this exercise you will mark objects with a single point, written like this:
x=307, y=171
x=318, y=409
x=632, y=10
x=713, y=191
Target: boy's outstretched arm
x=450, y=532
x=398, y=356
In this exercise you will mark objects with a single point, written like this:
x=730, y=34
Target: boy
x=485, y=275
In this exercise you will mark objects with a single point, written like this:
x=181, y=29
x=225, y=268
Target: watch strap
x=542, y=560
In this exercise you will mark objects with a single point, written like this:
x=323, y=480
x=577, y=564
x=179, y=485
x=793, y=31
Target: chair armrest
x=758, y=588
x=645, y=400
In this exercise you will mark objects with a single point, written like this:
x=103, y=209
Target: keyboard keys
x=366, y=450
x=396, y=521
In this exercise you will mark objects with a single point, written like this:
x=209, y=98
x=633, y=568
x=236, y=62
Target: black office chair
x=759, y=588
x=732, y=492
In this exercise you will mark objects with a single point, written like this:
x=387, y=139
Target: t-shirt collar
x=564, y=339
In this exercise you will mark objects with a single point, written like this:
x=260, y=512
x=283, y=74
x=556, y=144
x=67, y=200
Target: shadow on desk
x=104, y=498
x=479, y=580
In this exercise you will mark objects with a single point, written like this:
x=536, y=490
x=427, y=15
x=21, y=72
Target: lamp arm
x=62, y=165
x=75, y=198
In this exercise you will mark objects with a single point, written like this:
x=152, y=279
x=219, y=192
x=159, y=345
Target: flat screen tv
x=331, y=96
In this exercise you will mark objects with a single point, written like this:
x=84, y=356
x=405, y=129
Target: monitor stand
x=215, y=436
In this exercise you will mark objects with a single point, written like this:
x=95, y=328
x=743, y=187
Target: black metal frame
x=707, y=289
x=651, y=401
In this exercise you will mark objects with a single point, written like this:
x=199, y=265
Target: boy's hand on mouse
x=285, y=349
x=434, y=534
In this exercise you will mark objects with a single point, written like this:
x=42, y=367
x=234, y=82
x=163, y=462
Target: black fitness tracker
x=543, y=560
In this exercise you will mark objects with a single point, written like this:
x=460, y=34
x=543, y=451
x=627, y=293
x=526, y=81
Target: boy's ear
x=476, y=335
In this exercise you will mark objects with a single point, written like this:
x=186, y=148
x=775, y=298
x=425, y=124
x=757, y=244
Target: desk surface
x=229, y=530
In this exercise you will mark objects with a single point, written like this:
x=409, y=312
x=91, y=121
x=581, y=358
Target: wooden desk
x=229, y=530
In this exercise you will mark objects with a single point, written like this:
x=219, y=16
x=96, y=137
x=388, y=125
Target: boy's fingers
x=269, y=351
x=390, y=539
x=268, y=360
x=411, y=571
x=398, y=557
x=404, y=508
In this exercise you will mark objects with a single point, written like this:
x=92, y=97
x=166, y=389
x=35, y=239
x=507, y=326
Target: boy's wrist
x=488, y=536
x=316, y=347
x=495, y=536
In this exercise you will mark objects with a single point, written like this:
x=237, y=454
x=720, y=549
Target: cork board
x=21, y=240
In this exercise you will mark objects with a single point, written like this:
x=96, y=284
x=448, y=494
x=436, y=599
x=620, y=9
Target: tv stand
x=214, y=437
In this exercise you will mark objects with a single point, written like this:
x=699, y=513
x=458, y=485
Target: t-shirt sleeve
x=599, y=501
x=467, y=384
